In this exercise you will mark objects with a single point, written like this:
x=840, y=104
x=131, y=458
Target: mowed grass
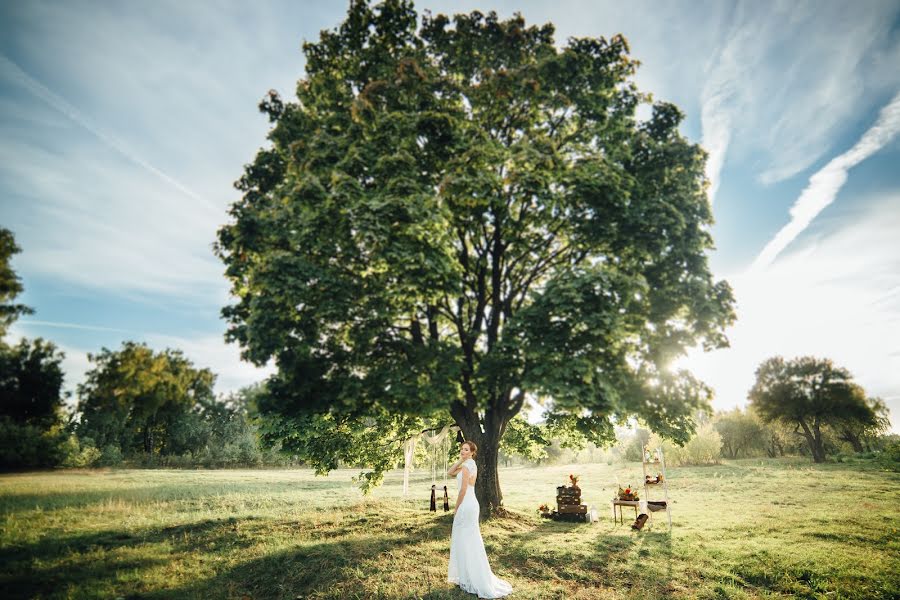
x=744, y=529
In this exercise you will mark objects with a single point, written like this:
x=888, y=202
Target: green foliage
x=809, y=394
x=31, y=379
x=631, y=446
x=524, y=439
x=27, y=446
x=10, y=284
x=325, y=441
x=110, y=456
x=451, y=218
x=80, y=453
x=889, y=456
x=704, y=447
x=135, y=398
x=742, y=434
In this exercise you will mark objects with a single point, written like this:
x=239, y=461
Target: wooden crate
x=567, y=501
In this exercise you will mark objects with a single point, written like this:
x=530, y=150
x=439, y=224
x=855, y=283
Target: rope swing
x=438, y=448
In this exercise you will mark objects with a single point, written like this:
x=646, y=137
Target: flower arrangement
x=574, y=479
x=627, y=494
x=543, y=508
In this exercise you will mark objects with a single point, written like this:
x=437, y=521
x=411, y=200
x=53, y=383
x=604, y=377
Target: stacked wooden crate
x=568, y=504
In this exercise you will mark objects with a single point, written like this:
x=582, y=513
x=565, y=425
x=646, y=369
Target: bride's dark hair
x=472, y=447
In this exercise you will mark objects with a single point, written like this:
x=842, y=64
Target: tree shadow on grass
x=53, y=563
x=638, y=560
x=328, y=568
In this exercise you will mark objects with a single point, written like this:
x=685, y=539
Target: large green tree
x=134, y=397
x=31, y=380
x=455, y=217
x=809, y=394
x=10, y=284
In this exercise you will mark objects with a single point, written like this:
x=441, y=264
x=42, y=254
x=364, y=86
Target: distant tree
x=776, y=437
x=631, y=445
x=809, y=394
x=10, y=284
x=861, y=430
x=31, y=380
x=134, y=396
x=741, y=433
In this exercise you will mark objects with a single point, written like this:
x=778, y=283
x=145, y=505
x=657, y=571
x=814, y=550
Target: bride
x=469, y=567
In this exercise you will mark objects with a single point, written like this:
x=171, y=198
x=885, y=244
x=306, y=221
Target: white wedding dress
x=469, y=568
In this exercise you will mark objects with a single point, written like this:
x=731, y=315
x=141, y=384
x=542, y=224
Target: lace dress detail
x=469, y=568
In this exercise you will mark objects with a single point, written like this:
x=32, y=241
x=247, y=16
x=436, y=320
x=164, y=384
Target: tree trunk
x=853, y=439
x=148, y=439
x=814, y=440
x=487, y=487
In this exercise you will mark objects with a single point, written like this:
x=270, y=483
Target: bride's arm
x=455, y=468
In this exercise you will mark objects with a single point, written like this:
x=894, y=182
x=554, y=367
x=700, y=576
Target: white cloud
x=124, y=194
x=836, y=297
x=223, y=359
x=824, y=186
x=788, y=78
x=209, y=351
x=13, y=72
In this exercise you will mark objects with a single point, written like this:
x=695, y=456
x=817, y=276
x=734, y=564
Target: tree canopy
x=31, y=380
x=454, y=217
x=132, y=398
x=809, y=393
x=10, y=284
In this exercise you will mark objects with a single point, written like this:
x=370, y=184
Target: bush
x=24, y=446
x=889, y=457
x=110, y=456
x=702, y=449
x=79, y=454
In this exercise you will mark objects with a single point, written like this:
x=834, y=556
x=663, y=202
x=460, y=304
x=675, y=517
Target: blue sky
x=123, y=126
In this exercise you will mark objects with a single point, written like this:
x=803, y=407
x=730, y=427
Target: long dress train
x=469, y=568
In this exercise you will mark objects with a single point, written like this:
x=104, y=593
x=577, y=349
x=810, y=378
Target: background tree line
x=136, y=406
x=142, y=407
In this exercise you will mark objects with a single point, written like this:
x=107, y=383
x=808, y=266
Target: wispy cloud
x=161, y=100
x=824, y=186
x=786, y=79
x=33, y=323
x=13, y=72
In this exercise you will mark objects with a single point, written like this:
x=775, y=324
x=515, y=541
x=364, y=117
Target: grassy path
x=746, y=529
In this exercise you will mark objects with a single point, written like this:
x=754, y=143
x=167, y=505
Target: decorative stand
x=656, y=462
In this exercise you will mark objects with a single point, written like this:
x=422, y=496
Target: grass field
x=745, y=529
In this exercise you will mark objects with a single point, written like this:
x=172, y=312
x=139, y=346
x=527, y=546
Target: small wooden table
x=620, y=504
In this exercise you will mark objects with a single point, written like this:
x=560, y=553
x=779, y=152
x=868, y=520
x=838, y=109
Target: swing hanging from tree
x=438, y=449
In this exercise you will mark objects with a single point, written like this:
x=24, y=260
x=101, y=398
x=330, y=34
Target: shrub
x=25, y=446
x=79, y=454
x=110, y=456
x=702, y=449
x=889, y=457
